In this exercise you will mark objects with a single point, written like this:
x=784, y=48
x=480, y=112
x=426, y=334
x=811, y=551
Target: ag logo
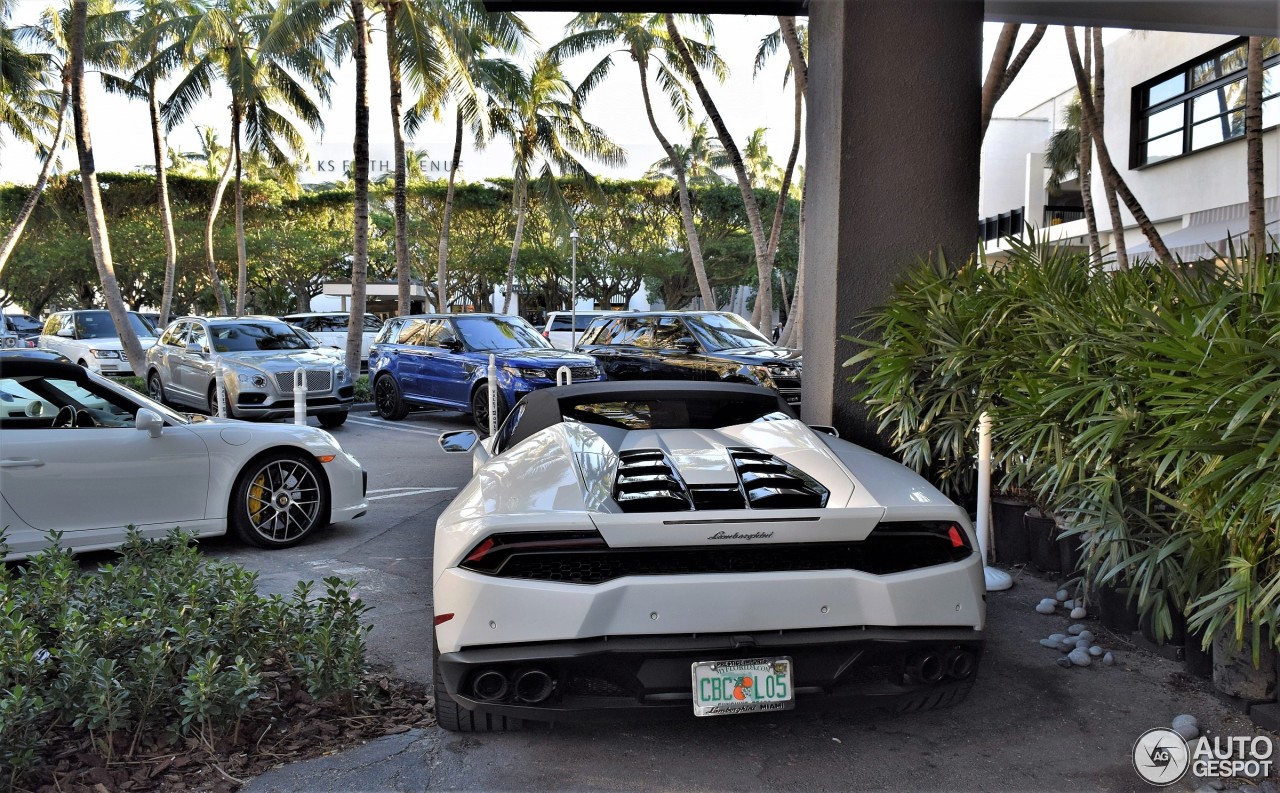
x=1160, y=756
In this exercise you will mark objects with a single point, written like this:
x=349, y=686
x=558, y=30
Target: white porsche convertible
x=87, y=457
x=668, y=548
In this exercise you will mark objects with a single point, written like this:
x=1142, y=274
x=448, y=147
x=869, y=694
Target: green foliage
x=363, y=392
x=160, y=646
x=1139, y=405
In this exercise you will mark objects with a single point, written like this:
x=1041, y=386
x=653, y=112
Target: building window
x=1201, y=103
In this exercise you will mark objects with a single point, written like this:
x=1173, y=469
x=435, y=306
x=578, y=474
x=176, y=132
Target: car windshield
x=671, y=412
x=499, y=333
x=24, y=324
x=726, y=332
x=257, y=335
x=98, y=325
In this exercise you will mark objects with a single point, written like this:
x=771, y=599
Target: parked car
x=89, y=338
x=560, y=329
x=255, y=358
x=691, y=345
x=693, y=548
x=89, y=458
x=442, y=360
x=23, y=326
x=330, y=328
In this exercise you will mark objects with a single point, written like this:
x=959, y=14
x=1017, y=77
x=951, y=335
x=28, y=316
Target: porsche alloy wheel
x=278, y=501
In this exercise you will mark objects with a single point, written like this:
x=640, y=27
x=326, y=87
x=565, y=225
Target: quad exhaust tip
x=927, y=667
x=960, y=664
x=489, y=685
x=533, y=686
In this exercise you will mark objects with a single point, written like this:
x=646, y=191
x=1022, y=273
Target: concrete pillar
x=892, y=150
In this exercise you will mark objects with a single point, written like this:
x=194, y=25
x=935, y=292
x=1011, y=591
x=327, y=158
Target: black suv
x=691, y=345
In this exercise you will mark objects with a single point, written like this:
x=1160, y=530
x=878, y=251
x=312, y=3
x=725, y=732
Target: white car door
x=73, y=479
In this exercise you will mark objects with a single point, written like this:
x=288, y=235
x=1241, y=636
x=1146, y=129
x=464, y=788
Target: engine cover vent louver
x=646, y=482
x=770, y=483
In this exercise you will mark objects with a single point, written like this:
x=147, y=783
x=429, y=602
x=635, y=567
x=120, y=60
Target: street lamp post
x=573, y=288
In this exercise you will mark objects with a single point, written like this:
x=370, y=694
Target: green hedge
x=160, y=647
x=1140, y=405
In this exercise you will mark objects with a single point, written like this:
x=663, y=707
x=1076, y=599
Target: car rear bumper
x=847, y=668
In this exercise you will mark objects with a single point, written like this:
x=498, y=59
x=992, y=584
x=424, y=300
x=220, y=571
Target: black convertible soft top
x=548, y=406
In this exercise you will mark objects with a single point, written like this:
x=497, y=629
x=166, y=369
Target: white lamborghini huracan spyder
x=667, y=548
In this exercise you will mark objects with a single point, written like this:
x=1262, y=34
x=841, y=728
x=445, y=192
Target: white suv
x=559, y=330
x=330, y=328
x=89, y=338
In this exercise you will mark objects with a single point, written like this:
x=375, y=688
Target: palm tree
x=541, y=119
x=1089, y=115
x=1253, y=144
x=1002, y=70
x=1108, y=190
x=155, y=51
x=764, y=262
x=761, y=168
x=701, y=159
x=265, y=74
x=471, y=84
x=433, y=42
x=26, y=112
x=643, y=37
x=99, y=239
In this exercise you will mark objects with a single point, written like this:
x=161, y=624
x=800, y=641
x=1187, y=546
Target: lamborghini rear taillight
x=908, y=545
x=494, y=551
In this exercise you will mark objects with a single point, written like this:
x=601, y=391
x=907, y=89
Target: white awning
x=1204, y=240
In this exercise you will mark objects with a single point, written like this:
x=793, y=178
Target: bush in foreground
x=162, y=649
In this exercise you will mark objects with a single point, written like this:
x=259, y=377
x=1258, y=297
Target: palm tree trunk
x=797, y=67
x=764, y=265
x=1100, y=102
x=360, y=151
x=1109, y=173
x=242, y=259
x=15, y=233
x=1086, y=173
x=401, y=200
x=682, y=186
x=1002, y=71
x=442, y=301
x=98, y=236
x=793, y=333
x=1253, y=157
x=210, y=260
x=522, y=198
x=166, y=213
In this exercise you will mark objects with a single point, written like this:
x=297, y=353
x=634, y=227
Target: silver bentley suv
x=256, y=359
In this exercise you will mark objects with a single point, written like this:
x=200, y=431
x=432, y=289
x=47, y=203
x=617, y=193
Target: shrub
x=159, y=647
x=1140, y=405
x=363, y=394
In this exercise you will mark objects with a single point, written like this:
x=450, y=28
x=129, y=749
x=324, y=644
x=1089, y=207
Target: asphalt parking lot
x=1028, y=724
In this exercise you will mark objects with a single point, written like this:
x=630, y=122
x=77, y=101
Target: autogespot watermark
x=1162, y=757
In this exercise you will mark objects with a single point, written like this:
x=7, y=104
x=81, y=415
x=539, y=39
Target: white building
x=1174, y=126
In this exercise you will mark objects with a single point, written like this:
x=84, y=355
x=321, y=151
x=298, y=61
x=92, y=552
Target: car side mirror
x=452, y=345
x=458, y=441
x=149, y=422
x=826, y=429
x=687, y=343
x=195, y=349
x=67, y=333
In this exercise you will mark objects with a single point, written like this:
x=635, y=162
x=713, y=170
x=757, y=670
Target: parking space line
x=386, y=425
x=415, y=492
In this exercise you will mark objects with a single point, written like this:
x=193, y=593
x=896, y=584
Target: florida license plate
x=722, y=688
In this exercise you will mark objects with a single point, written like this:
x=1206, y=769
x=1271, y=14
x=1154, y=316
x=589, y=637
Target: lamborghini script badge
x=757, y=535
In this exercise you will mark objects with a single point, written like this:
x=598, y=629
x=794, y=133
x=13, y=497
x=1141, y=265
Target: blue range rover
x=442, y=360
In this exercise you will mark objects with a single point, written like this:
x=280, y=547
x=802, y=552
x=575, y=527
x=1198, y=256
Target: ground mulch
x=300, y=729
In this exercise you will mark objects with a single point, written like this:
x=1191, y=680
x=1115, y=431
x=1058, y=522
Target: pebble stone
x=1068, y=604
x=1086, y=635
x=1050, y=643
x=1062, y=595
x=1080, y=657
x=1082, y=644
x=1187, y=730
x=1187, y=718
x=1217, y=784
x=1108, y=659
x=1206, y=789
x=1045, y=608
x=1069, y=642
x=1064, y=662
x=1095, y=651
x=1078, y=613
x=1057, y=637
x=1267, y=786
x=1075, y=630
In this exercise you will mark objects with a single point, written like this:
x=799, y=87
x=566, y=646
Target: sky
x=121, y=139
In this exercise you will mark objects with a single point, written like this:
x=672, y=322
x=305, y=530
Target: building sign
x=330, y=164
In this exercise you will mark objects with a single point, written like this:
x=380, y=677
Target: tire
x=388, y=399
x=480, y=408
x=331, y=420
x=453, y=717
x=155, y=388
x=255, y=512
